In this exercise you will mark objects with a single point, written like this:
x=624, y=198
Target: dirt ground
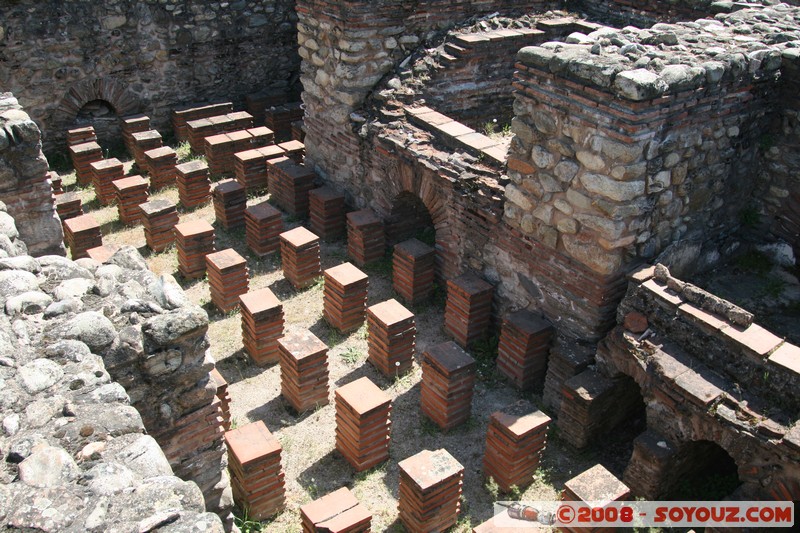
x=313, y=468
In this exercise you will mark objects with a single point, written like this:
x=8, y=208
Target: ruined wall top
x=75, y=456
x=666, y=59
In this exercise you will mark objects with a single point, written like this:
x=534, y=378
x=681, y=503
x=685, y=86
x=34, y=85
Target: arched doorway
x=703, y=470
x=409, y=218
x=102, y=116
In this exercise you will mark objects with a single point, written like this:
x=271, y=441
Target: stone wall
x=24, y=186
x=348, y=46
x=644, y=14
x=779, y=211
x=142, y=56
x=75, y=456
x=706, y=373
x=632, y=144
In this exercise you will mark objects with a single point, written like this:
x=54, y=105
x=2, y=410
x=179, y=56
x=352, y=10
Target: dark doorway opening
x=102, y=116
x=704, y=471
x=409, y=218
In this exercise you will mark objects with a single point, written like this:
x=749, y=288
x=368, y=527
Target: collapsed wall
x=24, y=186
x=75, y=453
x=98, y=61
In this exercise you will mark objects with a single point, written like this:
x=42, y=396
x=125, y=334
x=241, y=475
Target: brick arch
x=123, y=101
x=401, y=176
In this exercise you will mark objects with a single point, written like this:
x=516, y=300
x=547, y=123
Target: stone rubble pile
x=75, y=456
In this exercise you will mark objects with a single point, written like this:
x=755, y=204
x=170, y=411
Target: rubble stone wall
x=142, y=56
x=644, y=14
x=24, y=186
x=75, y=453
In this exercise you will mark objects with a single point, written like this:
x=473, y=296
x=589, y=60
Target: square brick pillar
x=515, y=440
x=304, y=370
x=468, y=310
x=298, y=133
x=81, y=135
x=523, y=350
x=102, y=254
x=366, y=241
x=363, y=423
x=345, y=297
x=413, y=266
x=161, y=164
x=391, y=338
x=83, y=155
x=144, y=141
x=262, y=325
x=82, y=233
x=294, y=150
x=254, y=460
x=300, y=257
x=68, y=205
x=223, y=396
x=194, y=186
x=594, y=485
x=228, y=278
x=448, y=380
x=130, y=192
x=194, y=241
x=430, y=491
x=289, y=184
x=230, y=201
x=250, y=166
x=159, y=218
x=327, y=213
x=338, y=511
x=263, y=225
x=130, y=125
x=104, y=172
x=55, y=182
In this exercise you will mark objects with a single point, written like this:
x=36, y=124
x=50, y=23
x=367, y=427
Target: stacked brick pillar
x=160, y=164
x=194, y=241
x=523, y=350
x=304, y=370
x=194, y=186
x=83, y=155
x=515, y=441
x=366, y=241
x=448, y=381
x=104, y=173
x=228, y=278
x=130, y=192
x=468, y=310
x=254, y=460
x=362, y=423
x=391, y=338
x=289, y=184
x=262, y=325
x=230, y=201
x=338, y=511
x=159, y=218
x=82, y=233
x=345, y=297
x=430, y=491
x=300, y=257
x=263, y=225
x=413, y=266
x=327, y=213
